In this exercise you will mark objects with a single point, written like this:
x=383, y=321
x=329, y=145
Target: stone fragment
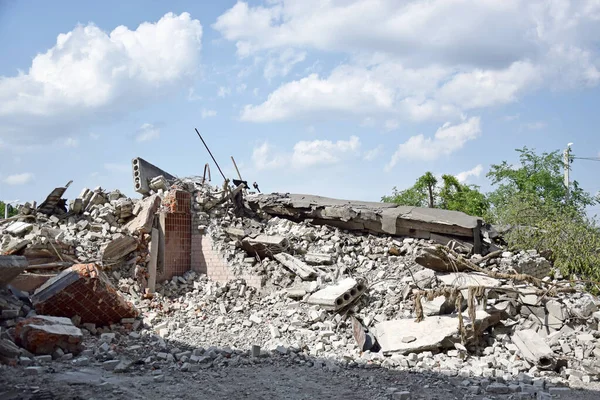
x=44, y=334
x=142, y=223
x=295, y=265
x=118, y=249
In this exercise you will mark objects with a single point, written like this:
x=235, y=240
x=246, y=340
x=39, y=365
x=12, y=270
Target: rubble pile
x=329, y=297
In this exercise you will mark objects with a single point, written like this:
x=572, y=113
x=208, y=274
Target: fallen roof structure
x=373, y=217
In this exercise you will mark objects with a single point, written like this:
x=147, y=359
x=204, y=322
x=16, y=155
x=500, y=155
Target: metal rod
x=236, y=168
x=213, y=158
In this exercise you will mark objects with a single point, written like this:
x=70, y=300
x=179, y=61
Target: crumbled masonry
x=315, y=282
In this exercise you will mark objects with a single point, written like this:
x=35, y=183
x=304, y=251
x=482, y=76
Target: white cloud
x=372, y=154
x=147, y=132
x=265, y=157
x=318, y=152
x=223, y=91
x=207, y=113
x=305, y=154
x=462, y=177
x=71, y=142
x=417, y=59
x=484, y=88
x=447, y=139
x=94, y=136
x=19, y=179
x=391, y=125
x=344, y=91
x=280, y=65
x=114, y=167
x=90, y=74
x=241, y=88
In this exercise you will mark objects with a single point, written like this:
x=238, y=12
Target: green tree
x=421, y=194
x=12, y=211
x=531, y=198
x=460, y=197
x=537, y=181
x=451, y=196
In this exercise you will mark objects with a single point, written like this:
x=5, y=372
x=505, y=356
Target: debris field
x=145, y=298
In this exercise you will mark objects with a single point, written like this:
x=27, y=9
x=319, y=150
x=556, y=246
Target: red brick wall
x=178, y=237
x=207, y=260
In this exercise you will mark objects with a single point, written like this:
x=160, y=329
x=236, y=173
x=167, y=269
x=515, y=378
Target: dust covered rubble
x=192, y=322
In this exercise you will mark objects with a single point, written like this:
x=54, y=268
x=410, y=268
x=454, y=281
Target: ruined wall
x=178, y=235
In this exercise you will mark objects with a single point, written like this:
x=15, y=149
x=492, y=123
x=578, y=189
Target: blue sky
x=338, y=98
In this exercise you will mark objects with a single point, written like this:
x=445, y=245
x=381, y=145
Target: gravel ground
x=268, y=379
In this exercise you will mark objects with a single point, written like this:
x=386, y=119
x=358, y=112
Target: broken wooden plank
x=436, y=260
x=534, y=349
x=296, y=266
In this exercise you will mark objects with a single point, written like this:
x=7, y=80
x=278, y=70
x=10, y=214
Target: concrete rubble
x=338, y=286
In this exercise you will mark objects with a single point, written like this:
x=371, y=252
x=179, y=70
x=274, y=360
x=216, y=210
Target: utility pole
x=567, y=167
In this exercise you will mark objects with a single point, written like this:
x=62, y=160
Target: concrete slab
x=430, y=334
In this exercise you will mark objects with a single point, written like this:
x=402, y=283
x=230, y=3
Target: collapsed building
x=227, y=271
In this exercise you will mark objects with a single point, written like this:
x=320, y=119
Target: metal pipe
x=213, y=158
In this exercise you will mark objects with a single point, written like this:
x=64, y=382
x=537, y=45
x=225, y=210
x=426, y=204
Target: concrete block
x=142, y=223
x=339, y=295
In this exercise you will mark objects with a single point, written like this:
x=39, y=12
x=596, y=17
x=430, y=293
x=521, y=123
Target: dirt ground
x=270, y=380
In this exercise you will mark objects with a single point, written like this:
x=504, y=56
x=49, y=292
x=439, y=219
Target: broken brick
x=85, y=291
x=43, y=334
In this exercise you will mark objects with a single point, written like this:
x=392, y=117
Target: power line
x=586, y=158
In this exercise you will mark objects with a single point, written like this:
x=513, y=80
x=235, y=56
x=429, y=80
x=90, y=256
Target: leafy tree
x=421, y=194
x=12, y=211
x=451, y=196
x=538, y=181
x=532, y=199
x=460, y=197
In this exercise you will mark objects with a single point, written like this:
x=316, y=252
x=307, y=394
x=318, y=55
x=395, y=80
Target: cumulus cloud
x=147, y=132
x=446, y=140
x=475, y=172
x=343, y=91
x=372, y=154
x=205, y=113
x=306, y=153
x=90, y=74
x=280, y=65
x=319, y=152
x=421, y=59
x=19, y=179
